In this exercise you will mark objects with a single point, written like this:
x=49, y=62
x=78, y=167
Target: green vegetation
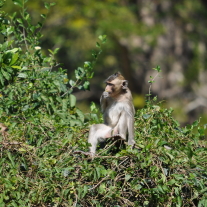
x=38, y=167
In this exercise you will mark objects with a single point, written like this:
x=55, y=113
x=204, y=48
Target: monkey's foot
x=119, y=135
x=131, y=142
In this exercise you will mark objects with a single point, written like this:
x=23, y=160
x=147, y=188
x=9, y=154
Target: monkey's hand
x=105, y=94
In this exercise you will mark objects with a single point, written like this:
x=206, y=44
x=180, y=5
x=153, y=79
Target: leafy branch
x=85, y=73
x=152, y=79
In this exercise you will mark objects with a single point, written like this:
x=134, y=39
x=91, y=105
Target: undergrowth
x=38, y=166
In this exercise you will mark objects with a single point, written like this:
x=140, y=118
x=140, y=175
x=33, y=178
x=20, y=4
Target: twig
x=25, y=41
x=98, y=183
x=107, y=147
x=76, y=200
x=128, y=202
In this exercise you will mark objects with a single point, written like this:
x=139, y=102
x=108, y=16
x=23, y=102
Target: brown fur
x=118, y=113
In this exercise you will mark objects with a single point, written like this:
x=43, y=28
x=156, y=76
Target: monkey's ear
x=124, y=84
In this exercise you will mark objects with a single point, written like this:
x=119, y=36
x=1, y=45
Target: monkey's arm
x=103, y=102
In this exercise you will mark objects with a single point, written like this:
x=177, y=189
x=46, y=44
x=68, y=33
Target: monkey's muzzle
x=105, y=94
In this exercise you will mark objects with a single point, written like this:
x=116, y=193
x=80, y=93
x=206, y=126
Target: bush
x=38, y=166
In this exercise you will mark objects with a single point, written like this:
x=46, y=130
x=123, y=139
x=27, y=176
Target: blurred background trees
x=140, y=35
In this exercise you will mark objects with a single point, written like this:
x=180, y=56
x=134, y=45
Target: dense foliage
x=38, y=166
x=140, y=35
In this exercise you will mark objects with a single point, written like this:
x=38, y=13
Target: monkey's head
x=115, y=85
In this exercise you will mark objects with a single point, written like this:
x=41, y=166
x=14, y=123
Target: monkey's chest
x=113, y=113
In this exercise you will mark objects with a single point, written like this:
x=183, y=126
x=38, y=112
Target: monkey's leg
x=126, y=123
x=130, y=126
x=97, y=133
x=120, y=129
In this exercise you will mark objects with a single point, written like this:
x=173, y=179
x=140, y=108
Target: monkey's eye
x=109, y=84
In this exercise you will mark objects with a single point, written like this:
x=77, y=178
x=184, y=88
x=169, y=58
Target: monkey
x=118, y=113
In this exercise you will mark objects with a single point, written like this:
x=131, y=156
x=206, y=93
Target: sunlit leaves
x=19, y=2
x=80, y=115
x=48, y=5
x=72, y=100
x=102, y=38
x=43, y=16
x=86, y=85
x=79, y=73
x=22, y=75
x=157, y=68
x=85, y=73
x=146, y=116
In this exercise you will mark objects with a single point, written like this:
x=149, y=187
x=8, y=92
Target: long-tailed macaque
x=118, y=113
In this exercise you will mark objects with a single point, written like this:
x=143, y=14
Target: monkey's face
x=114, y=87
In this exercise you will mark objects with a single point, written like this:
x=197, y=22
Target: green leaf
x=5, y=45
x=76, y=122
x=13, y=50
x=11, y=158
x=43, y=16
x=72, y=100
x=86, y=85
x=27, y=16
x=22, y=149
x=25, y=108
x=170, y=156
x=189, y=152
x=20, y=21
x=1, y=79
x=171, y=182
x=80, y=114
x=146, y=116
x=72, y=83
x=32, y=29
x=52, y=4
x=102, y=38
x=5, y=74
x=47, y=5
x=22, y=75
x=18, y=2
x=62, y=116
x=102, y=188
x=157, y=68
x=64, y=105
x=79, y=73
x=17, y=67
x=51, y=51
x=98, y=45
x=56, y=50
x=195, y=123
x=14, y=59
x=127, y=177
x=45, y=98
x=87, y=64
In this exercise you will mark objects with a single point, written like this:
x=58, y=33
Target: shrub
x=167, y=167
